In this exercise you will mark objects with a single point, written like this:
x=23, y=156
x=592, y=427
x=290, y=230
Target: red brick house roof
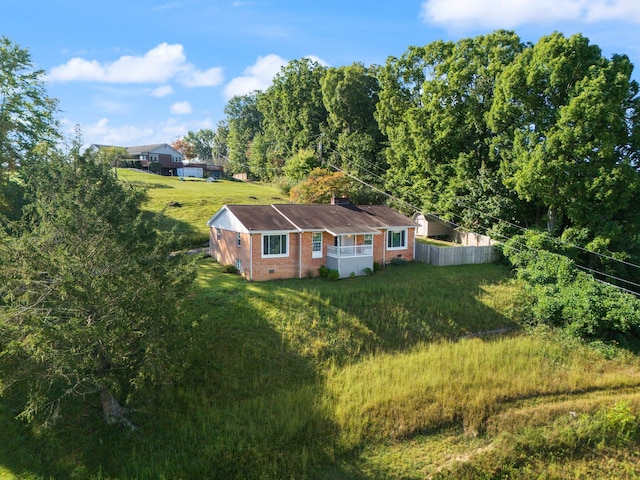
x=337, y=219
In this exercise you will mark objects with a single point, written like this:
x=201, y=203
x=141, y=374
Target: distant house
x=293, y=241
x=159, y=158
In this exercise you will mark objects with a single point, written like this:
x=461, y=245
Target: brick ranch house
x=267, y=242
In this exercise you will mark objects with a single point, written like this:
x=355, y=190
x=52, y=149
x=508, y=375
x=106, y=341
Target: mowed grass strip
x=189, y=203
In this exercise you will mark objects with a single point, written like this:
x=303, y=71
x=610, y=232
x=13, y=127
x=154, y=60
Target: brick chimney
x=340, y=200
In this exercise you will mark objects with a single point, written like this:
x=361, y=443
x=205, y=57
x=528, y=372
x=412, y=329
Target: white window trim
x=316, y=253
x=277, y=255
x=406, y=238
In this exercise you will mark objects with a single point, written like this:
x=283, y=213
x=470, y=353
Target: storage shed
x=432, y=227
x=196, y=172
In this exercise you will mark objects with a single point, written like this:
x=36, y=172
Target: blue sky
x=132, y=72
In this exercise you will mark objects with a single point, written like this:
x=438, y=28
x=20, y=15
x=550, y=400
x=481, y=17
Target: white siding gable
x=226, y=220
x=166, y=149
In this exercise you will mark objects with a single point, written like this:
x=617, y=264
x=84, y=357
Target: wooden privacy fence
x=444, y=256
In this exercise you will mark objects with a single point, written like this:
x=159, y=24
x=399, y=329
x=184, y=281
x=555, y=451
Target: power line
x=556, y=240
x=417, y=209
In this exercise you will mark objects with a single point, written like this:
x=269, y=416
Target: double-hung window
x=275, y=245
x=316, y=245
x=397, y=239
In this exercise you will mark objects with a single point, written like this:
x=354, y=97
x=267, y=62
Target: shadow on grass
x=248, y=406
x=148, y=185
x=191, y=237
x=252, y=401
x=393, y=310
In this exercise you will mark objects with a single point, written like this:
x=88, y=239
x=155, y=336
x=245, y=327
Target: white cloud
x=162, y=91
x=317, y=59
x=181, y=108
x=512, y=13
x=208, y=78
x=256, y=77
x=158, y=65
x=627, y=11
x=103, y=133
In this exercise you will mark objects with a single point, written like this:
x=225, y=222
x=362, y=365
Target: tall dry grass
x=465, y=383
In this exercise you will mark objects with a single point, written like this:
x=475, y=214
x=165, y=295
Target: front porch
x=352, y=253
x=356, y=260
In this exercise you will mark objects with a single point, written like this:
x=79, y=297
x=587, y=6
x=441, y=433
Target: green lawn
x=361, y=378
x=188, y=204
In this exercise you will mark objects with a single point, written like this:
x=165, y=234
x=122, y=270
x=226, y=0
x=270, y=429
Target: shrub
x=562, y=296
x=398, y=261
x=229, y=269
x=333, y=275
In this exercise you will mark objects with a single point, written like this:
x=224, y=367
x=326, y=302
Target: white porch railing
x=351, y=251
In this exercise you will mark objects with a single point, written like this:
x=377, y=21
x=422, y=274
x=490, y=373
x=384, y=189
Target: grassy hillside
x=190, y=203
x=365, y=378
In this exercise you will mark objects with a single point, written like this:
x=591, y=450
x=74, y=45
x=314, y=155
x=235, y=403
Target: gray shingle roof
x=336, y=218
x=260, y=217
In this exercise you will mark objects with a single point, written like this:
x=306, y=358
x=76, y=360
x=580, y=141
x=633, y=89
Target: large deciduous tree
x=202, y=142
x=244, y=122
x=27, y=116
x=89, y=293
x=220, y=148
x=196, y=145
x=353, y=139
x=566, y=123
x=292, y=108
x=27, y=113
x=433, y=106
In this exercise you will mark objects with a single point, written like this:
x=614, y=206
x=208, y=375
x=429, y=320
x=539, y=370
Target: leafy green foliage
x=562, y=296
x=292, y=108
x=27, y=119
x=433, y=107
x=244, y=123
x=26, y=112
x=320, y=186
x=90, y=293
x=327, y=273
x=300, y=165
x=202, y=143
x=352, y=138
x=564, y=121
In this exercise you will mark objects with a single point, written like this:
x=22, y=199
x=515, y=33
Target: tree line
x=492, y=133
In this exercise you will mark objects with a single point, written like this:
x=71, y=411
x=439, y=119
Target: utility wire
x=417, y=209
